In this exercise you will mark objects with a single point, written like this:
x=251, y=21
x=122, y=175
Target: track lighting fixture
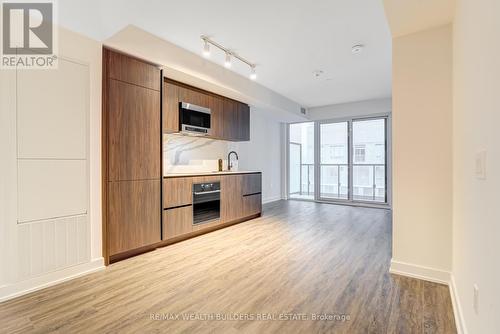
x=228, y=55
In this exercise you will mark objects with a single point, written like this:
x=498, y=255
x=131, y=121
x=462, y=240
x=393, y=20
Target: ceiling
x=287, y=39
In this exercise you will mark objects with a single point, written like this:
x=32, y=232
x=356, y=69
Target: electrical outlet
x=476, y=299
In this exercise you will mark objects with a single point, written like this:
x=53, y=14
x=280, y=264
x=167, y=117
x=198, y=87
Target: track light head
x=227, y=62
x=206, y=49
x=253, y=73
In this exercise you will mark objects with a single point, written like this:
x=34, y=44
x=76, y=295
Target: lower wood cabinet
x=252, y=204
x=231, y=197
x=133, y=214
x=177, y=191
x=252, y=184
x=177, y=221
x=240, y=198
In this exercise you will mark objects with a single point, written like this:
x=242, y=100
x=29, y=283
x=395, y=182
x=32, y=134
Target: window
x=345, y=161
x=359, y=153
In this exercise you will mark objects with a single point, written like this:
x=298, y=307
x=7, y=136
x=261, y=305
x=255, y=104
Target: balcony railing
x=367, y=186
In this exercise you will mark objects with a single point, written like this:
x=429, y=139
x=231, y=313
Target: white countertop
x=225, y=172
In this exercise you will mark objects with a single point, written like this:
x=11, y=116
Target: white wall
x=476, y=119
x=261, y=153
x=422, y=158
x=351, y=109
x=51, y=169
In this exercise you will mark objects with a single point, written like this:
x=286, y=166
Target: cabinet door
x=252, y=184
x=243, y=122
x=134, y=215
x=193, y=96
x=129, y=69
x=252, y=204
x=177, y=191
x=216, y=105
x=177, y=221
x=231, y=198
x=230, y=120
x=133, y=132
x=170, y=107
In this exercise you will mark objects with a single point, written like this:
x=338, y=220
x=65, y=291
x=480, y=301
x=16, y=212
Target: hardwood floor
x=299, y=257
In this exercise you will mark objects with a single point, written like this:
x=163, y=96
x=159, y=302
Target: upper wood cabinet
x=170, y=107
x=129, y=69
x=243, y=122
x=230, y=128
x=230, y=119
x=216, y=105
x=193, y=96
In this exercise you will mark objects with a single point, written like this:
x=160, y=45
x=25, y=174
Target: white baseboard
x=457, y=308
x=420, y=272
x=40, y=282
x=437, y=276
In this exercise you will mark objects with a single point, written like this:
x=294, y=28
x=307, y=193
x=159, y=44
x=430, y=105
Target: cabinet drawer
x=252, y=184
x=177, y=221
x=177, y=192
x=252, y=205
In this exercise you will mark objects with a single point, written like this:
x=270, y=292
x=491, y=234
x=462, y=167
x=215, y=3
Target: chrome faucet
x=229, y=164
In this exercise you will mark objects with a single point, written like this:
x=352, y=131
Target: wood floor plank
x=299, y=258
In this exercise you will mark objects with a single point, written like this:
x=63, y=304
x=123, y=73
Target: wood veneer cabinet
x=170, y=107
x=133, y=132
x=240, y=200
x=230, y=119
x=133, y=215
x=177, y=192
x=252, y=184
x=131, y=154
x=231, y=197
x=177, y=221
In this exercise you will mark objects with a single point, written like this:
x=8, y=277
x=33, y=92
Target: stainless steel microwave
x=194, y=120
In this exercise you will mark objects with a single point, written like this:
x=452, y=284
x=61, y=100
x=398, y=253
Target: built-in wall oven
x=206, y=202
x=194, y=120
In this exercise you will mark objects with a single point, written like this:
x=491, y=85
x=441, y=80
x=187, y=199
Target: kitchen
x=149, y=200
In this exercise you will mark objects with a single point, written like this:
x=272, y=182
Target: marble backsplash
x=187, y=154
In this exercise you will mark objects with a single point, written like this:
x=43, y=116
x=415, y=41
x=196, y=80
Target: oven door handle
x=206, y=192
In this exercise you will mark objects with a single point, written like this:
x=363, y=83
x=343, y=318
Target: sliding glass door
x=334, y=160
x=339, y=161
x=301, y=160
x=369, y=160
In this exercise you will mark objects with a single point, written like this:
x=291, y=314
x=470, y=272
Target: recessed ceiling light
x=318, y=73
x=356, y=49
